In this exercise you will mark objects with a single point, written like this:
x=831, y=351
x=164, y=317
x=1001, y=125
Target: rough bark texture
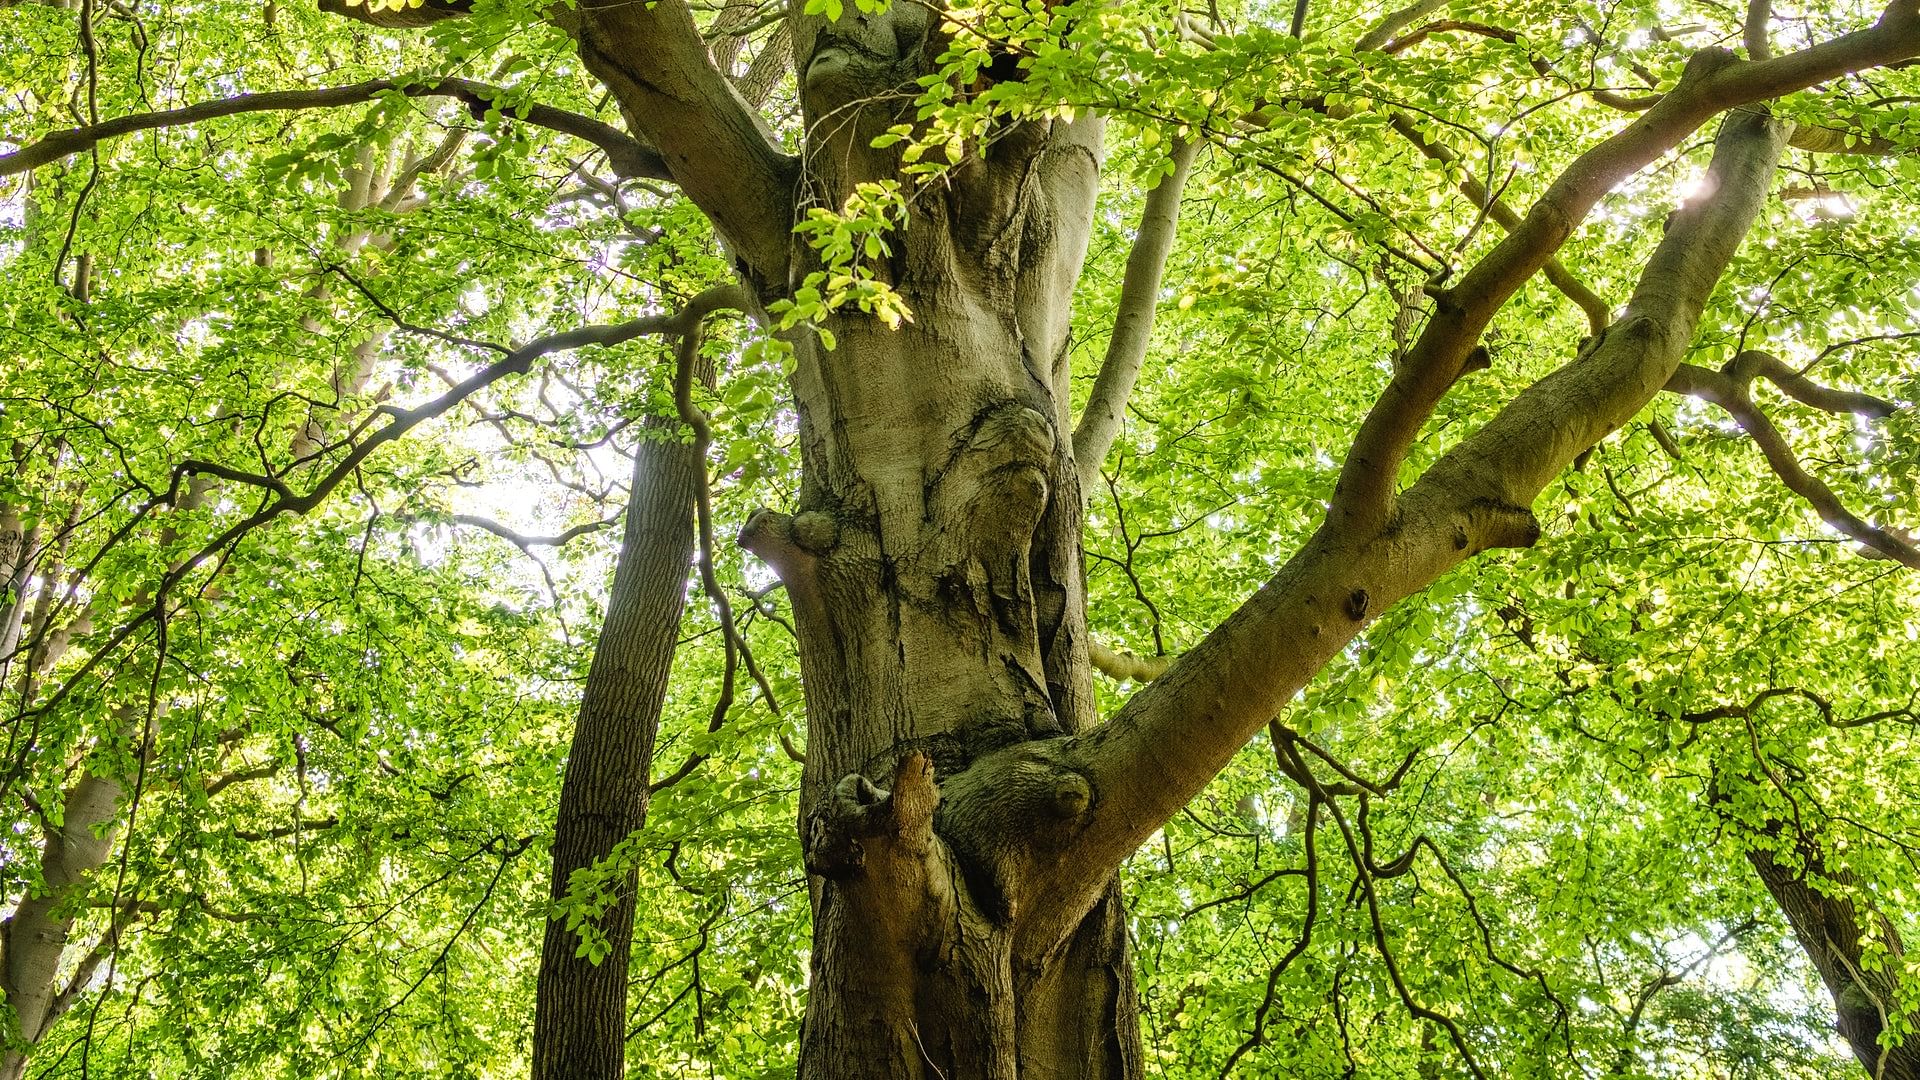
x=1835, y=933
x=580, y=1011
x=934, y=567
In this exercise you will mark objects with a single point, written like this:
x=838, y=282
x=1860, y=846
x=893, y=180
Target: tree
x=911, y=245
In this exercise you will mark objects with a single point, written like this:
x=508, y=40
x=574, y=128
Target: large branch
x=1133, y=322
x=1169, y=740
x=718, y=149
x=1384, y=31
x=401, y=16
x=1713, y=82
x=627, y=156
x=1728, y=388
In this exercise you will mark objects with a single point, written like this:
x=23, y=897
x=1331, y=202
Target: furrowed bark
x=933, y=563
x=580, y=1008
x=1834, y=931
x=1170, y=738
x=1133, y=321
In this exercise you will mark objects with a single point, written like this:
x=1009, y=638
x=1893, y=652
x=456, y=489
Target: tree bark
x=963, y=810
x=34, y=938
x=1835, y=933
x=580, y=1011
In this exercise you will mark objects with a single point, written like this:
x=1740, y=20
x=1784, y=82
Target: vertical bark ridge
x=580, y=1011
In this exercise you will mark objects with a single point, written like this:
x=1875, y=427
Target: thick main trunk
x=935, y=574
x=580, y=1011
x=934, y=566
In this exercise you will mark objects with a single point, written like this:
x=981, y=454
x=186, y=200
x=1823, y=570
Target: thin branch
x=1133, y=320
x=687, y=357
x=628, y=156
x=1729, y=390
x=1599, y=313
x=399, y=423
x=524, y=542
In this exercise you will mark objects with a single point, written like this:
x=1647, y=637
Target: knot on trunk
x=860, y=56
x=1007, y=456
x=1013, y=815
x=792, y=546
x=859, y=826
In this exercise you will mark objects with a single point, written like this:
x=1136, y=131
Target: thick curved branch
x=401, y=17
x=1133, y=322
x=1729, y=389
x=1125, y=666
x=1755, y=364
x=1384, y=30
x=1713, y=82
x=1175, y=734
x=718, y=149
x=626, y=154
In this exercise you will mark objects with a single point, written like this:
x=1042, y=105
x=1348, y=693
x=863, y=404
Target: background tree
x=273, y=782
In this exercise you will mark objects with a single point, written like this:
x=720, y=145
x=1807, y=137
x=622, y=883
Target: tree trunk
x=1835, y=934
x=580, y=1012
x=961, y=812
x=934, y=566
x=34, y=938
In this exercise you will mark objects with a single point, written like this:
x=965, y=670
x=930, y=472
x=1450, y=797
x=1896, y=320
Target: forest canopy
x=955, y=539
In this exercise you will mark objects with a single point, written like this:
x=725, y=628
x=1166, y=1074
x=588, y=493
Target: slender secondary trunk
x=580, y=1012
x=34, y=938
x=1837, y=937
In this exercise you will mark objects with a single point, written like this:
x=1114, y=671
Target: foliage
x=340, y=731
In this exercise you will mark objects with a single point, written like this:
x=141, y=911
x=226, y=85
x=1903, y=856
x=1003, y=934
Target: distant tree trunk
x=580, y=1014
x=1836, y=936
x=34, y=938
